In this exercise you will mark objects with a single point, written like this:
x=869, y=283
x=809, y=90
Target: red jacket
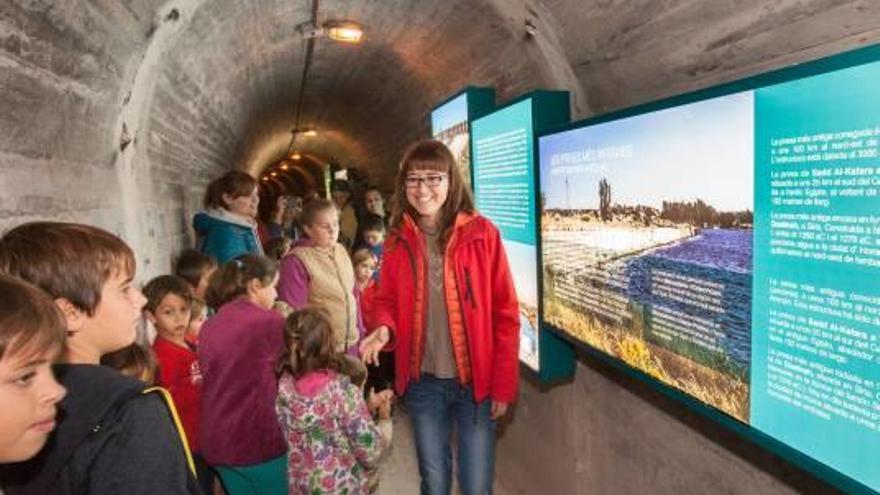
x=480, y=298
x=179, y=373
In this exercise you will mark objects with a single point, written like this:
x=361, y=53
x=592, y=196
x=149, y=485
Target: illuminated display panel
x=729, y=247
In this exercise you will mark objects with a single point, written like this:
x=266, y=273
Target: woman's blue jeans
x=434, y=405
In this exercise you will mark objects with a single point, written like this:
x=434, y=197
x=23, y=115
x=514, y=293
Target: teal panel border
x=556, y=356
x=829, y=64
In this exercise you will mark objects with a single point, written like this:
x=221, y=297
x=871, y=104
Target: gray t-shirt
x=439, y=359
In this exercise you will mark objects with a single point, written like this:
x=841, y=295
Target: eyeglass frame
x=426, y=180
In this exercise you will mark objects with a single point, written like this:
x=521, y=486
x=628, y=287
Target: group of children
x=271, y=404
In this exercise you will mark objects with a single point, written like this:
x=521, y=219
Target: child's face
x=202, y=288
x=195, y=325
x=29, y=393
x=374, y=238
x=324, y=231
x=264, y=296
x=115, y=320
x=171, y=317
x=364, y=270
x=245, y=206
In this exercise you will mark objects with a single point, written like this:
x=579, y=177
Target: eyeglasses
x=433, y=181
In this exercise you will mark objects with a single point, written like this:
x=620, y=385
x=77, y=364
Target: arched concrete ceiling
x=242, y=61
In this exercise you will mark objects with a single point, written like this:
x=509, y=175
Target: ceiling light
x=274, y=174
x=344, y=31
x=310, y=133
x=295, y=156
x=283, y=166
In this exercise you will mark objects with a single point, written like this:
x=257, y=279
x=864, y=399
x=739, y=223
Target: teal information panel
x=816, y=376
x=729, y=247
x=505, y=190
x=504, y=187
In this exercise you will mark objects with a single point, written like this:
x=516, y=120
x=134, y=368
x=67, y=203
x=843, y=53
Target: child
x=113, y=438
x=31, y=336
x=278, y=247
x=136, y=361
x=319, y=273
x=198, y=313
x=238, y=349
x=373, y=233
x=381, y=377
x=168, y=309
x=333, y=443
x=196, y=268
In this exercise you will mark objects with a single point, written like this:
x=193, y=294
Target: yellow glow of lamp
x=296, y=156
x=344, y=31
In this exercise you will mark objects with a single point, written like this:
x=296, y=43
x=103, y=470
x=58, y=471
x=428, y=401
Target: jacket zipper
x=469, y=295
x=412, y=263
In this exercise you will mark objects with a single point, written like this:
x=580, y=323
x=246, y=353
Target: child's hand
x=385, y=406
x=377, y=402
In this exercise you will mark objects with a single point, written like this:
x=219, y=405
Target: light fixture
x=342, y=31
x=295, y=156
x=284, y=166
x=304, y=132
x=274, y=174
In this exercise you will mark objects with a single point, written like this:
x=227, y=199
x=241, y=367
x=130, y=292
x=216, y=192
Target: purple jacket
x=293, y=285
x=238, y=349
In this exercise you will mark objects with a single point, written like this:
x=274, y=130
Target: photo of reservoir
x=449, y=124
x=647, y=244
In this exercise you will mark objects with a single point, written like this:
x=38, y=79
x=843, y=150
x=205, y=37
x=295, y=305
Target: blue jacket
x=223, y=238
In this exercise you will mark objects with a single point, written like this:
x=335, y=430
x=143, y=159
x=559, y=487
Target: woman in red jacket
x=446, y=304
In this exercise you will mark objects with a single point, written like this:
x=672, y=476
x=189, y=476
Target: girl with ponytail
x=238, y=349
x=333, y=443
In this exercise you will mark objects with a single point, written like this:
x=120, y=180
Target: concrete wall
x=606, y=433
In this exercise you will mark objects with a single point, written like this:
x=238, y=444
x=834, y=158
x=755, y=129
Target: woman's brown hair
x=233, y=183
x=230, y=280
x=434, y=156
x=308, y=344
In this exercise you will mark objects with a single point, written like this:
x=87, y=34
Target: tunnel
x=118, y=113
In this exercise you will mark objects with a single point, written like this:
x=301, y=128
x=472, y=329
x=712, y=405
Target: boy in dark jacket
x=111, y=437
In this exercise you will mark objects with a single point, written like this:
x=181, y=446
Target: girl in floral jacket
x=333, y=443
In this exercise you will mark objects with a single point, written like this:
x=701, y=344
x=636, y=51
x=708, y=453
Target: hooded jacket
x=225, y=235
x=480, y=299
x=110, y=438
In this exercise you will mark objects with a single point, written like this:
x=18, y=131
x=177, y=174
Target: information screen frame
x=546, y=109
x=829, y=64
x=478, y=101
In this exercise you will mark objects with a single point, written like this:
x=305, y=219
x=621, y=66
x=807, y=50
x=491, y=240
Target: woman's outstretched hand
x=373, y=344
